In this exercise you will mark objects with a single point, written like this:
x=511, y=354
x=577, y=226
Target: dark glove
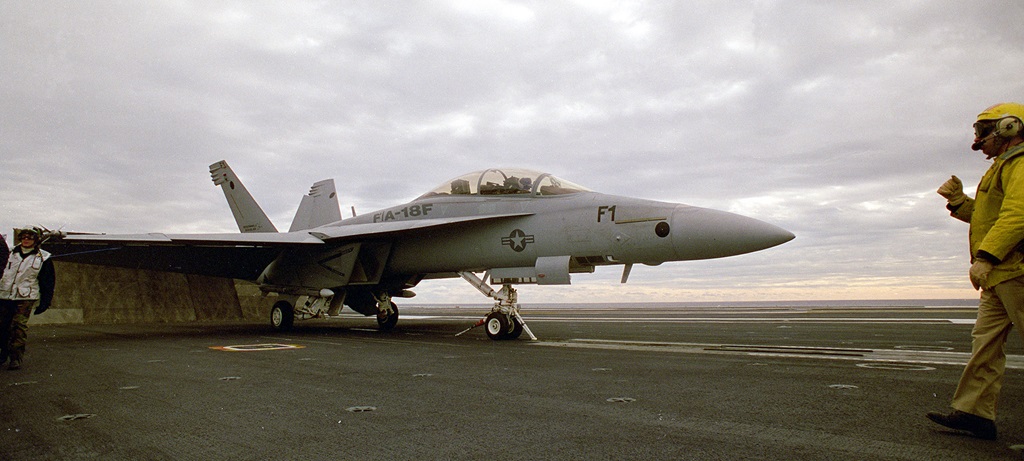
x=42, y=308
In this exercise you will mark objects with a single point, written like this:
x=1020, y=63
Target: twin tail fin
x=317, y=208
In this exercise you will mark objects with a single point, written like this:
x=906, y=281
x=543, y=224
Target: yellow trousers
x=1000, y=308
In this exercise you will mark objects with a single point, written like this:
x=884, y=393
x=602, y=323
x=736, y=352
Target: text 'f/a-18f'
x=515, y=226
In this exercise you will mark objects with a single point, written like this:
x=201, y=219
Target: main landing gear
x=282, y=316
x=387, y=312
x=314, y=306
x=317, y=306
x=504, y=321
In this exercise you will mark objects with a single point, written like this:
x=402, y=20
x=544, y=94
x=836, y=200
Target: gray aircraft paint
x=518, y=226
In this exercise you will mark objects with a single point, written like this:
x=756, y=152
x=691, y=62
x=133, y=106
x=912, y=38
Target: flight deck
x=628, y=382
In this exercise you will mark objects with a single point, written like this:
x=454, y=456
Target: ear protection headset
x=1007, y=127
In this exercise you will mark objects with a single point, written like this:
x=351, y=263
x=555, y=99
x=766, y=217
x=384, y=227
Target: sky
x=834, y=120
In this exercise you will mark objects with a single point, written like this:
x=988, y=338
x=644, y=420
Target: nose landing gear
x=504, y=321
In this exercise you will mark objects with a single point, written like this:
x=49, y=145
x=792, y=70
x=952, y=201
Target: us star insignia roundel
x=517, y=240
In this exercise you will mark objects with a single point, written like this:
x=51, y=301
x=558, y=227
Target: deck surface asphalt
x=637, y=383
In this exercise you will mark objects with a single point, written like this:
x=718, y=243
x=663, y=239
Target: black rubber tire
x=517, y=329
x=498, y=326
x=282, y=316
x=388, y=322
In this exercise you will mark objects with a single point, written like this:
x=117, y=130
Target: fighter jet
x=515, y=226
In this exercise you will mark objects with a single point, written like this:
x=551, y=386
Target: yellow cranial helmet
x=1001, y=111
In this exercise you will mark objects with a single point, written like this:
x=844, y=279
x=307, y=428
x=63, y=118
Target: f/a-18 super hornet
x=515, y=226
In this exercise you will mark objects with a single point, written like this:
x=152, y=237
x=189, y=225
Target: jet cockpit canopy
x=506, y=181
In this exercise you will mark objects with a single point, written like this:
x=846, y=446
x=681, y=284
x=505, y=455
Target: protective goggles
x=983, y=128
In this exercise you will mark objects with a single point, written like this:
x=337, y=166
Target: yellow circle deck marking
x=257, y=347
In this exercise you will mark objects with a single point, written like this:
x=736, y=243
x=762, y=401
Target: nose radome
x=703, y=233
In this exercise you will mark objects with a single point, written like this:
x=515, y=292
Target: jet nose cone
x=702, y=233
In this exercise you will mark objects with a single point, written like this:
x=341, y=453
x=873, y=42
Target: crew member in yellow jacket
x=996, y=216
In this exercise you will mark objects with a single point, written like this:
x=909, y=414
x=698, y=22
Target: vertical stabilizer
x=248, y=214
x=318, y=208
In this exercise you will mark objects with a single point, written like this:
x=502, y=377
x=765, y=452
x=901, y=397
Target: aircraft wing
x=232, y=255
x=358, y=231
x=227, y=239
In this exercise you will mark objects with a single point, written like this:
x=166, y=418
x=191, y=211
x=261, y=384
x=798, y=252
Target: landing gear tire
x=498, y=326
x=387, y=321
x=282, y=316
x=517, y=329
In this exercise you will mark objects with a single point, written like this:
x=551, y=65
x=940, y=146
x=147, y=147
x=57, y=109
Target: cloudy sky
x=834, y=120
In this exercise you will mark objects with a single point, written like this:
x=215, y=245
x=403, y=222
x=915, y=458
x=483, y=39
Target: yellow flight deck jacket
x=996, y=215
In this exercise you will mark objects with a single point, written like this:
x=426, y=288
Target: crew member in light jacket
x=27, y=281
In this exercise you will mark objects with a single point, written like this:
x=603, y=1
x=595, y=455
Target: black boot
x=979, y=427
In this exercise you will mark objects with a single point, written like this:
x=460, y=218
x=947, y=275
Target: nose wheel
x=502, y=326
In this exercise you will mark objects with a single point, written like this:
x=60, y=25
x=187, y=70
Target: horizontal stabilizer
x=318, y=208
x=248, y=214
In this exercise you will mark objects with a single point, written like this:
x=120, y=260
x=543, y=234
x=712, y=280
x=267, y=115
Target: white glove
x=953, y=191
x=979, y=273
